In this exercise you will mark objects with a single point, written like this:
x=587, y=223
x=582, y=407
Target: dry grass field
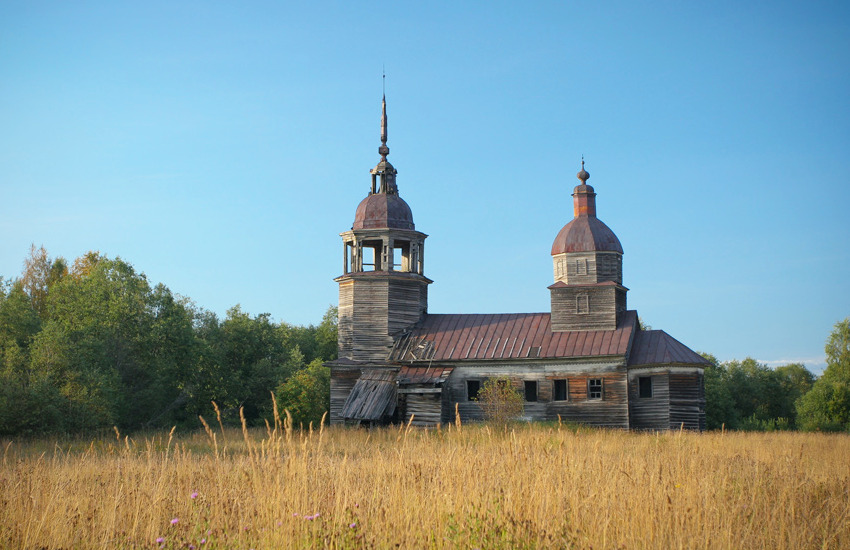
x=473, y=486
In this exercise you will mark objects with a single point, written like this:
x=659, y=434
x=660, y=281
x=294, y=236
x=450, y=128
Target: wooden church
x=586, y=360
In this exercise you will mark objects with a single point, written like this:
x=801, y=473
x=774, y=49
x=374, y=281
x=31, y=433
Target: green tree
x=719, y=405
x=40, y=274
x=253, y=352
x=750, y=395
x=306, y=394
x=499, y=401
x=827, y=405
x=26, y=400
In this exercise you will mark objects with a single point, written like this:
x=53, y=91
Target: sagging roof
x=454, y=337
x=423, y=375
x=653, y=347
x=372, y=397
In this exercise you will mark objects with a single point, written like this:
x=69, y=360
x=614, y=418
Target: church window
x=645, y=386
x=559, y=390
x=594, y=388
x=472, y=389
x=581, y=266
x=582, y=304
x=531, y=390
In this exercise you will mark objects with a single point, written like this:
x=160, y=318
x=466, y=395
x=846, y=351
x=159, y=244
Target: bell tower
x=588, y=293
x=383, y=289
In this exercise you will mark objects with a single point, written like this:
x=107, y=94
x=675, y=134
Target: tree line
x=750, y=396
x=91, y=345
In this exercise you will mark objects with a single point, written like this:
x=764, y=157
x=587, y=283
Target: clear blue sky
x=221, y=147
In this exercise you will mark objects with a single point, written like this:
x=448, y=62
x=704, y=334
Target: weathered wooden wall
x=373, y=307
x=687, y=401
x=650, y=413
x=425, y=404
x=610, y=411
x=342, y=382
x=588, y=267
x=603, y=305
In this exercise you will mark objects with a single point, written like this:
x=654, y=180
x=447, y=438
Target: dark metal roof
x=652, y=347
x=455, y=337
x=586, y=234
x=383, y=210
x=372, y=397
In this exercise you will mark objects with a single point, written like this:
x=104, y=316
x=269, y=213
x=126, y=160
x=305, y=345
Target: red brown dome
x=586, y=234
x=383, y=210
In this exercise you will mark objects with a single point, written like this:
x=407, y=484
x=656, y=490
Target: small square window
x=531, y=390
x=559, y=390
x=472, y=389
x=582, y=304
x=645, y=386
x=594, y=388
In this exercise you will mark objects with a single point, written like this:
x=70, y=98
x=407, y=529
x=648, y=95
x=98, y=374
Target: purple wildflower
x=352, y=525
x=174, y=521
x=203, y=541
x=160, y=540
x=192, y=547
x=194, y=495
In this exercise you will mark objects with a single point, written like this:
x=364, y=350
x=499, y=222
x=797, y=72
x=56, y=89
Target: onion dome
x=586, y=232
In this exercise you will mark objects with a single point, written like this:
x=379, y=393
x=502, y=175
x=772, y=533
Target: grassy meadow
x=470, y=486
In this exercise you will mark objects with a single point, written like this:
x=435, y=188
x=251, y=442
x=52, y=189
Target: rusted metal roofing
x=652, y=347
x=423, y=375
x=586, y=234
x=372, y=397
x=383, y=210
x=455, y=337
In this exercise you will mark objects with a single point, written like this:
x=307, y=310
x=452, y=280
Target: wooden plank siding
x=610, y=411
x=426, y=408
x=588, y=307
x=342, y=382
x=650, y=413
x=687, y=401
x=379, y=307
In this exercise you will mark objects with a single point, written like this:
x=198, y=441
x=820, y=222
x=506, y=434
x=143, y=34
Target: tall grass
x=463, y=486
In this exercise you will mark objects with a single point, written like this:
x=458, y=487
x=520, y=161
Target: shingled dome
x=383, y=210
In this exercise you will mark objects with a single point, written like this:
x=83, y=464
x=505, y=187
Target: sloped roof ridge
x=656, y=346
